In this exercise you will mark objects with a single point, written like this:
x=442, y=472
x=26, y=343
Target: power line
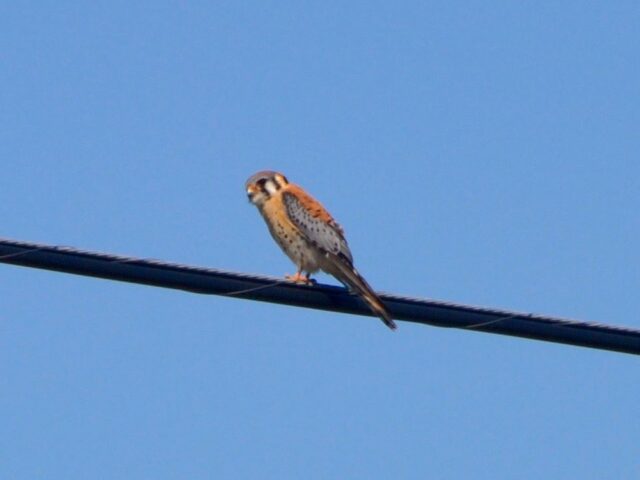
x=324, y=297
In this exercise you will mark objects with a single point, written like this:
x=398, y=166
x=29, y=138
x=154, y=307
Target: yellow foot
x=300, y=278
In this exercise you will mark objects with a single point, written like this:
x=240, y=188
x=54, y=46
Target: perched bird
x=309, y=235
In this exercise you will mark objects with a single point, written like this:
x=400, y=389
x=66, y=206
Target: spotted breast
x=288, y=236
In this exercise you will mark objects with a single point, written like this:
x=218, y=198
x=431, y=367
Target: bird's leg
x=297, y=278
x=300, y=278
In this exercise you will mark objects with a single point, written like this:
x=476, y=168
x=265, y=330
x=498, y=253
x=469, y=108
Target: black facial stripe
x=272, y=182
x=261, y=185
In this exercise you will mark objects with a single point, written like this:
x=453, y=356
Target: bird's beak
x=250, y=191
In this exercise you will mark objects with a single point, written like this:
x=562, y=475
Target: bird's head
x=262, y=185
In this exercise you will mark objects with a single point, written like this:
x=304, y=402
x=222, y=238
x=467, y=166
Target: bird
x=307, y=233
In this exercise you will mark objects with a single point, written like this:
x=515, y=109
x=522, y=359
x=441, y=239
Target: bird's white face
x=263, y=185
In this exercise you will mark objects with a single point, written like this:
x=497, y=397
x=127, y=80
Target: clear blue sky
x=479, y=152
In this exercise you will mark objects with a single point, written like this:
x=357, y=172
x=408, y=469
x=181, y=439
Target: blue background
x=479, y=152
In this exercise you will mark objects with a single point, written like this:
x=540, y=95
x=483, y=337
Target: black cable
x=324, y=297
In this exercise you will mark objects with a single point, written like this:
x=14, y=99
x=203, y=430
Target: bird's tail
x=355, y=282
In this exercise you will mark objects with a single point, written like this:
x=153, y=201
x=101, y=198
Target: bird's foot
x=300, y=278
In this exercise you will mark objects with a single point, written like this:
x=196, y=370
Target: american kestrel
x=309, y=235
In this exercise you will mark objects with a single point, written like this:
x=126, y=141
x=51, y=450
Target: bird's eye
x=261, y=182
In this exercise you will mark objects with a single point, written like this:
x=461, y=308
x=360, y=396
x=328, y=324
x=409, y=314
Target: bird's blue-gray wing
x=317, y=226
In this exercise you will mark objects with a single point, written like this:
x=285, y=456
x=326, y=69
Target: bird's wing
x=321, y=230
x=315, y=223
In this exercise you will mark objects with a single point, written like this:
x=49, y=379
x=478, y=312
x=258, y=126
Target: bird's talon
x=300, y=278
